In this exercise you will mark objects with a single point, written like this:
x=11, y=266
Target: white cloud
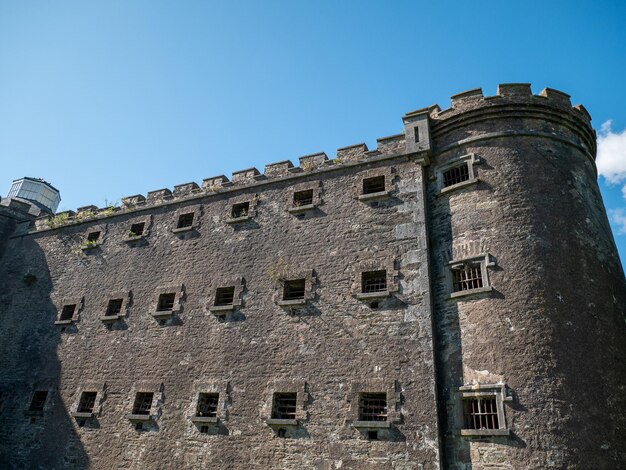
x=611, y=160
x=618, y=217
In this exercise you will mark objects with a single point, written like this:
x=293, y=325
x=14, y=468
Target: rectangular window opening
x=39, y=400
x=294, y=290
x=416, y=133
x=373, y=407
x=204, y=429
x=143, y=403
x=114, y=307
x=87, y=402
x=68, y=312
x=374, y=281
x=455, y=175
x=207, y=404
x=93, y=237
x=284, y=406
x=372, y=435
x=374, y=185
x=303, y=198
x=166, y=302
x=240, y=210
x=480, y=413
x=185, y=220
x=225, y=296
x=467, y=278
x=136, y=230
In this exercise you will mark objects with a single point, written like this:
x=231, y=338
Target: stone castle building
x=452, y=299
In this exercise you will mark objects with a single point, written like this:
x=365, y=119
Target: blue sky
x=112, y=98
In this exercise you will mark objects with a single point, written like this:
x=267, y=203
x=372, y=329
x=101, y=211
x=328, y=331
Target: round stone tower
x=529, y=292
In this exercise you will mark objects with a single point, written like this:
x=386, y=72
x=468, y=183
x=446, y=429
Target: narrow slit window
x=240, y=210
x=207, y=404
x=480, y=413
x=68, y=312
x=416, y=133
x=456, y=175
x=87, y=402
x=204, y=429
x=93, y=237
x=185, y=220
x=166, y=302
x=374, y=185
x=114, y=307
x=373, y=407
x=284, y=406
x=303, y=198
x=294, y=290
x=466, y=278
x=224, y=296
x=39, y=400
x=143, y=403
x=136, y=230
x=374, y=281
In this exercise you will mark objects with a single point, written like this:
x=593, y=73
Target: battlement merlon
x=415, y=141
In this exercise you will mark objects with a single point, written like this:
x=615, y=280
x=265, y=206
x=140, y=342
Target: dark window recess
x=138, y=426
x=294, y=290
x=224, y=296
x=469, y=277
x=284, y=406
x=114, y=307
x=68, y=312
x=39, y=400
x=455, y=175
x=93, y=237
x=374, y=281
x=372, y=435
x=204, y=429
x=282, y=433
x=81, y=423
x=373, y=407
x=143, y=403
x=480, y=413
x=166, y=302
x=240, y=210
x=137, y=229
x=87, y=402
x=416, y=133
x=374, y=185
x=185, y=220
x=207, y=404
x=303, y=198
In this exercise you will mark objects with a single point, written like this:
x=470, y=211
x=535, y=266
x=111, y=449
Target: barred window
x=207, y=404
x=143, y=403
x=374, y=281
x=87, y=402
x=294, y=290
x=68, y=312
x=373, y=407
x=39, y=400
x=374, y=185
x=114, y=307
x=284, y=406
x=467, y=277
x=224, y=296
x=185, y=220
x=240, y=210
x=480, y=413
x=166, y=302
x=456, y=175
x=303, y=198
x=136, y=230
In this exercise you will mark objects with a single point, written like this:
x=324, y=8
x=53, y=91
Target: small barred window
x=374, y=281
x=224, y=296
x=480, y=413
x=39, y=400
x=87, y=402
x=240, y=210
x=114, y=307
x=143, y=403
x=284, y=406
x=185, y=220
x=467, y=277
x=166, y=302
x=374, y=185
x=136, y=230
x=303, y=198
x=456, y=175
x=207, y=405
x=373, y=407
x=68, y=312
x=294, y=290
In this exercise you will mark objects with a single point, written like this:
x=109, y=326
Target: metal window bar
x=455, y=175
x=143, y=403
x=68, y=312
x=373, y=407
x=87, y=402
x=284, y=406
x=115, y=307
x=467, y=278
x=185, y=220
x=166, y=302
x=374, y=185
x=294, y=290
x=39, y=400
x=207, y=404
x=240, y=210
x=303, y=198
x=224, y=296
x=374, y=281
x=481, y=413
